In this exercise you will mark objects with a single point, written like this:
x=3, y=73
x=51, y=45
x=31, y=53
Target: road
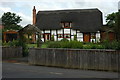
x=20, y=70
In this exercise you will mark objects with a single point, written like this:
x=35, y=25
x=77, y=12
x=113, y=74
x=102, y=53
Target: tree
x=11, y=20
x=117, y=26
x=110, y=19
x=113, y=21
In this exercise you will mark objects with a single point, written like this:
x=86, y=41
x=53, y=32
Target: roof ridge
x=69, y=10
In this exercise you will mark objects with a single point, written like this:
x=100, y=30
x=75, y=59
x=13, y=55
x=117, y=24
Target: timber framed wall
x=69, y=34
x=76, y=58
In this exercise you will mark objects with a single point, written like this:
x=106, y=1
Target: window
x=66, y=35
x=66, y=24
x=93, y=37
x=60, y=35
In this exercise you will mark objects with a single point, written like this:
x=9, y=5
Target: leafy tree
x=11, y=20
x=117, y=26
x=110, y=19
x=113, y=21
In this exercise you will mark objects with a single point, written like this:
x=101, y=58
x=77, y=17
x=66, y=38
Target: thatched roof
x=85, y=20
x=30, y=29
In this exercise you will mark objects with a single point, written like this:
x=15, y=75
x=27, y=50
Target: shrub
x=24, y=47
x=64, y=40
x=52, y=38
x=75, y=37
x=54, y=45
x=65, y=44
x=72, y=44
x=93, y=46
x=111, y=45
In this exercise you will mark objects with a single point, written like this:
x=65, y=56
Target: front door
x=86, y=37
x=47, y=36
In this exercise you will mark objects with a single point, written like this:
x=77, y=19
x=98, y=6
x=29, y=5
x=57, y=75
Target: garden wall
x=11, y=52
x=75, y=58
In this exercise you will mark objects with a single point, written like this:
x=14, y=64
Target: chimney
x=34, y=15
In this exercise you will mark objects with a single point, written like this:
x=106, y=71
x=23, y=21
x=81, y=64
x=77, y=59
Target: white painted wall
x=60, y=31
x=60, y=39
x=55, y=38
x=98, y=37
x=73, y=32
x=72, y=37
x=42, y=39
x=80, y=39
x=66, y=31
x=80, y=35
x=47, y=31
x=53, y=32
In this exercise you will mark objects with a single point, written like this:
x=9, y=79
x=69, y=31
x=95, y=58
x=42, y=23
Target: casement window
x=66, y=24
x=93, y=37
x=66, y=35
x=60, y=35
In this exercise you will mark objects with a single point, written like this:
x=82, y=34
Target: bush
x=111, y=45
x=64, y=40
x=52, y=38
x=72, y=44
x=54, y=45
x=75, y=37
x=93, y=46
x=65, y=44
x=81, y=45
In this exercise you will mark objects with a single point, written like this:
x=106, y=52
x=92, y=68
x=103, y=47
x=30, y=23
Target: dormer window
x=66, y=24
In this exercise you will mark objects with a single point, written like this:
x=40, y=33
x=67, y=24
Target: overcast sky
x=24, y=8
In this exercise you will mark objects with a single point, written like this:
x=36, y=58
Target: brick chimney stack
x=34, y=15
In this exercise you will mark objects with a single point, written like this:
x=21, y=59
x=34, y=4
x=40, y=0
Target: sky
x=24, y=8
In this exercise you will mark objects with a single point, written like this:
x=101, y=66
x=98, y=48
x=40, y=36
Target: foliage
x=111, y=45
x=52, y=38
x=80, y=45
x=72, y=44
x=17, y=43
x=113, y=20
x=110, y=19
x=64, y=40
x=32, y=45
x=44, y=45
x=13, y=43
x=117, y=26
x=10, y=21
x=93, y=46
x=65, y=44
x=75, y=37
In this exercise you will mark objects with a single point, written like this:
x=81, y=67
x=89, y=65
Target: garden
x=64, y=43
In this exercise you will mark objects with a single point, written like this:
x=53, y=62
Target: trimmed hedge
x=81, y=45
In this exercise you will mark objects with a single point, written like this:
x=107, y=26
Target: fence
x=11, y=52
x=76, y=58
